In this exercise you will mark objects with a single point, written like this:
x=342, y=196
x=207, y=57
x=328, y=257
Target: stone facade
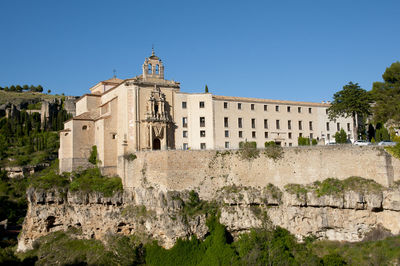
x=148, y=112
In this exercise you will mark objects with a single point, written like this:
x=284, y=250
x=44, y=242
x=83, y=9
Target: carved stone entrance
x=156, y=144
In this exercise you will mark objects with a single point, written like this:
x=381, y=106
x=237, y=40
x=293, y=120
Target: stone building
x=148, y=112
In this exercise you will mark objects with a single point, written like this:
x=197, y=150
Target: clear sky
x=289, y=50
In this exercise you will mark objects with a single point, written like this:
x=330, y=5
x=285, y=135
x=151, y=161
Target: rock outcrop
x=165, y=215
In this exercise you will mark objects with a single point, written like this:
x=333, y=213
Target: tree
x=386, y=96
x=206, y=89
x=340, y=136
x=39, y=88
x=351, y=101
x=48, y=91
x=25, y=87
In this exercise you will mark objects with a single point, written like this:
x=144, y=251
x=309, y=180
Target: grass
x=333, y=186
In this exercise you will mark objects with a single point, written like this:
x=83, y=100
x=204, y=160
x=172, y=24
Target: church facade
x=148, y=112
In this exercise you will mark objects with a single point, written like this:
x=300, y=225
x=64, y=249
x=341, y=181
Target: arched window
x=150, y=69
x=157, y=69
x=84, y=127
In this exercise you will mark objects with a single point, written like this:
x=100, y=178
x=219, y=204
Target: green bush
x=269, y=144
x=92, y=180
x=303, y=141
x=247, y=144
x=341, y=137
x=248, y=150
x=274, y=152
x=314, y=142
x=382, y=134
x=394, y=150
x=93, y=155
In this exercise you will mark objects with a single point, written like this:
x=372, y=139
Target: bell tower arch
x=153, y=67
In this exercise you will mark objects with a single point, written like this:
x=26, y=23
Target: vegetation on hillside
x=20, y=97
x=260, y=246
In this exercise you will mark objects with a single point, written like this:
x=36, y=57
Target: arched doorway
x=156, y=144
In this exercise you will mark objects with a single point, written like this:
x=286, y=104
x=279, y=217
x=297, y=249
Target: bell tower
x=153, y=68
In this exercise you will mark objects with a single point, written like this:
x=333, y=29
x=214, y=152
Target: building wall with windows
x=148, y=112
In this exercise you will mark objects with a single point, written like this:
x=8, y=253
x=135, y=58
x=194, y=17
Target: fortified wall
x=209, y=170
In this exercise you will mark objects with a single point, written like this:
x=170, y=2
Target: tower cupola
x=153, y=67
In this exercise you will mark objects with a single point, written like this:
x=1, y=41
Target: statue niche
x=158, y=121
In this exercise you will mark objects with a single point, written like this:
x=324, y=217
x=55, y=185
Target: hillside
x=19, y=97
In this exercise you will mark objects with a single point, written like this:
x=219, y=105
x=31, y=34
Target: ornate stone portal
x=158, y=121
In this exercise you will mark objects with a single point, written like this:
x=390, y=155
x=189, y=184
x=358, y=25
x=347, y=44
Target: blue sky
x=289, y=50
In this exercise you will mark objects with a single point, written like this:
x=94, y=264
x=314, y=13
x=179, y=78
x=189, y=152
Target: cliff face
x=169, y=215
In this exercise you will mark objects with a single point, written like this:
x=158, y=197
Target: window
x=300, y=125
x=239, y=106
x=328, y=136
x=266, y=135
x=253, y=134
x=290, y=144
x=288, y=109
x=202, y=146
x=184, y=105
x=310, y=110
x=185, y=134
x=311, y=135
x=202, y=121
x=240, y=122
x=277, y=108
x=348, y=126
x=240, y=134
x=114, y=136
x=202, y=133
x=266, y=123
x=310, y=125
x=201, y=104
x=338, y=126
x=299, y=109
x=84, y=127
x=289, y=124
x=278, y=126
x=265, y=107
x=226, y=145
x=290, y=135
x=184, y=121
x=226, y=133
x=225, y=105
x=185, y=146
x=253, y=123
x=300, y=135
x=252, y=106
x=225, y=121
x=326, y=111
x=327, y=126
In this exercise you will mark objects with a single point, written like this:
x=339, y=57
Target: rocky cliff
x=168, y=215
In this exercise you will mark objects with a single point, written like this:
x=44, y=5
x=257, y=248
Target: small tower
x=153, y=67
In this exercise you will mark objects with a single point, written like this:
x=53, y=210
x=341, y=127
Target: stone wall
x=207, y=171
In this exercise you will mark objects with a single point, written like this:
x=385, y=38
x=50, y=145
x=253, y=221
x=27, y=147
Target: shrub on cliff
x=92, y=180
x=394, y=150
x=248, y=150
